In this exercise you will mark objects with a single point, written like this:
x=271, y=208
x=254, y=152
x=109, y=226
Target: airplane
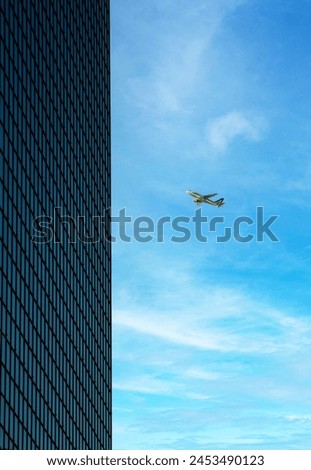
x=199, y=198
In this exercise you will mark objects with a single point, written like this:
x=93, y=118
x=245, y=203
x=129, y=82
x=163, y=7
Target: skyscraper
x=55, y=257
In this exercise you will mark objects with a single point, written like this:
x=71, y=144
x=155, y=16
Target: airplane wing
x=210, y=195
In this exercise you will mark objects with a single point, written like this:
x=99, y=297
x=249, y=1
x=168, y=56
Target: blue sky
x=211, y=341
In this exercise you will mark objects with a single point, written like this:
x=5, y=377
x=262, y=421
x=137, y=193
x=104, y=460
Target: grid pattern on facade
x=55, y=162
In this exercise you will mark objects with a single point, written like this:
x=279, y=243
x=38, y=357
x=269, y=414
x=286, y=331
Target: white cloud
x=302, y=417
x=144, y=384
x=199, y=344
x=224, y=129
x=303, y=182
x=201, y=374
x=183, y=309
x=172, y=78
x=230, y=322
x=175, y=386
x=180, y=335
x=167, y=78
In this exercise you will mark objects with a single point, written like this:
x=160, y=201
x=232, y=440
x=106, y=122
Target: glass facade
x=55, y=168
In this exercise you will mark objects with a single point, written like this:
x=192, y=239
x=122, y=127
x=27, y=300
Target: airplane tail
x=220, y=202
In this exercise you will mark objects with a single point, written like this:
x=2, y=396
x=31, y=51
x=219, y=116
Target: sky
x=211, y=339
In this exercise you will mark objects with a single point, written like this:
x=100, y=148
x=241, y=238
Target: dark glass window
x=55, y=297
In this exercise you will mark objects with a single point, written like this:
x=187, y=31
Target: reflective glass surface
x=55, y=162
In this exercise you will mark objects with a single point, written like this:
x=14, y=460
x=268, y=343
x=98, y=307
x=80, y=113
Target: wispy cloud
x=302, y=183
x=176, y=64
x=173, y=386
x=230, y=126
x=145, y=384
x=172, y=80
x=210, y=339
x=209, y=317
x=193, y=343
x=303, y=417
x=247, y=329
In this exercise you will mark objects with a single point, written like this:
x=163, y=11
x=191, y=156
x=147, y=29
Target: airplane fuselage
x=200, y=198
